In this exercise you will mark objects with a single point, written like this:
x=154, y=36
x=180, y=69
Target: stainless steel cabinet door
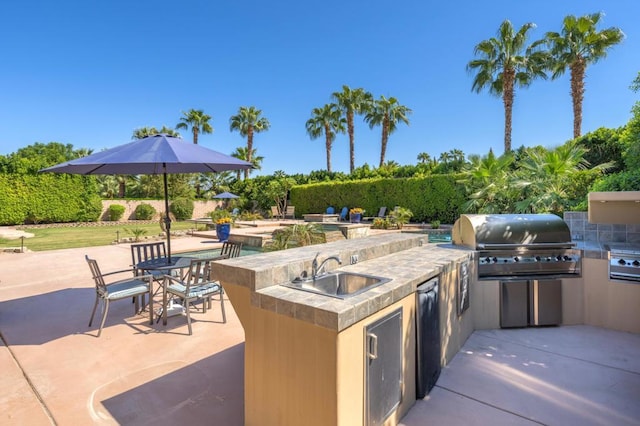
x=514, y=306
x=383, y=364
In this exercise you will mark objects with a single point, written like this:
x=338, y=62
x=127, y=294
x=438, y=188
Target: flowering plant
x=356, y=210
x=223, y=220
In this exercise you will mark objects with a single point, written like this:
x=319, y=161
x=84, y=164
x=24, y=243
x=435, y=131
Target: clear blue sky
x=90, y=72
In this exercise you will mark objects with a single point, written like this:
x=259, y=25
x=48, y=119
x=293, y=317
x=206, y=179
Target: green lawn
x=85, y=236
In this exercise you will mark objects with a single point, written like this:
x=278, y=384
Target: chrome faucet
x=319, y=270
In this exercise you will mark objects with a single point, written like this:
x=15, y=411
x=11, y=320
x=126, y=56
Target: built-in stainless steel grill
x=624, y=262
x=519, y=246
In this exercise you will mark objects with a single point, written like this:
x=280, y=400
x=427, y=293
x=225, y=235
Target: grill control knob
x=537, y=258
x=487, y=259
x=516, y=259
x=636, y=263
x=622, y=262
x=558, y=258
x=495, y=260
x=548, y=259
x=567, y=258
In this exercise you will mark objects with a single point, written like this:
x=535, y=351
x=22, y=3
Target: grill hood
x=486, y=231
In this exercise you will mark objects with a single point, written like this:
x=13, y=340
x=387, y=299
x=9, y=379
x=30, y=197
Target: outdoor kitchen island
x=307, y=354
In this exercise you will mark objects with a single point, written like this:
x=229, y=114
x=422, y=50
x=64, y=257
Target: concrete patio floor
x=55, y=371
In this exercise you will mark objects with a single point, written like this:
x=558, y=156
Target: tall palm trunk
x=352, y=146
x=195, y=135
x=577, y=94
x=249, y=149
x=507, y=99
x=121, y=186
x=385, y=139
x=327, y=134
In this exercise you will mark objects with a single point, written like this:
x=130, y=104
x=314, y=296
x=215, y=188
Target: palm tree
x=386, y=113
x=352, y=102
x=82, y=152
x=424, y=158
x=255, y=160
x=579, y=45
x=143, y=132
x=486, y=181
x=544, y=180
x=248, y=122
x=329, y=121
x=503, y=63
x=199, y=122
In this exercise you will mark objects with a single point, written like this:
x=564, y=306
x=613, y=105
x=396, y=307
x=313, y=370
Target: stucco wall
x=200, y=208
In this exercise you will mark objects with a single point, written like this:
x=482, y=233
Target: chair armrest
x=221, y=257
x=148, y=278
x=121, y=271
x=172, y=278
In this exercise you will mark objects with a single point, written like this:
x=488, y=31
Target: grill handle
x=494, y=246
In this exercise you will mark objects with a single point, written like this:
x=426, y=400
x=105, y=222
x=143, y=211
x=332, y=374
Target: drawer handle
x=372, y=353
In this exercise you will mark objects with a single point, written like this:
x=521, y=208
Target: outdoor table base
x=162, y=264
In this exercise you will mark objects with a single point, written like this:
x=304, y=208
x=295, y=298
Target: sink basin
x=339, y=284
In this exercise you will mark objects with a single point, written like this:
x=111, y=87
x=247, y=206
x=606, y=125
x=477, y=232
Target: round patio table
x=163, y=264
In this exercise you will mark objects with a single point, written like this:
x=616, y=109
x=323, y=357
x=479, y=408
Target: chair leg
x=150, y=307
x=186, y=305
x=224, y=315
x=95, y=305
x=104, y=316
x=137, y=303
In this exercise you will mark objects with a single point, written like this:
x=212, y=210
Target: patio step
x=332, y=236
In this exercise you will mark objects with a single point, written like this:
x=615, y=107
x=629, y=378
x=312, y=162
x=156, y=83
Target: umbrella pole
x=167, y=219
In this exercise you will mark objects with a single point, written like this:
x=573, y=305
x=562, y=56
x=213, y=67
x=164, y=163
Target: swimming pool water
x=200, y=254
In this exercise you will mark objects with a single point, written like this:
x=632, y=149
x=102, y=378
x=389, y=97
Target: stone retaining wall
x=200, y=208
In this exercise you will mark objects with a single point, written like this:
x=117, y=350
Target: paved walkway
x=10, y=233
x=55, y=371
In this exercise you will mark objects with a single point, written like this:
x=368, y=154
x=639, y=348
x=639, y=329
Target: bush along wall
x=48, y=198
x=436, y=197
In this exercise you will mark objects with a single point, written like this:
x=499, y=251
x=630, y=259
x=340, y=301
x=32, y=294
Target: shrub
x=400, y=216
x=145, y=212
x=116, y=211
x=435, y=224
x=248, y=216
x=298, y=235
x=381, y=223
x=137, y=232
x=218, y=215
x=182, y=209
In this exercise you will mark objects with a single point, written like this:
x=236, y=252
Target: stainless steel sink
x=338, y=284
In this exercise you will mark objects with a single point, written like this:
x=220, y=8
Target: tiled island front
x=305, y=355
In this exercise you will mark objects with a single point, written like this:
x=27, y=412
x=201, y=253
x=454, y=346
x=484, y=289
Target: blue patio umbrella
x=226, y=195
x=153, y=155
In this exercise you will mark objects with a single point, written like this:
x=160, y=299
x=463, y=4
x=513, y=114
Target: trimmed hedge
x=48, y=198
x=116, y=211
x=145, y=211
x=182, y=208
x=437, y=197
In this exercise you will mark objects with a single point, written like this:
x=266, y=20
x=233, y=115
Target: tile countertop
x=593, y=249
x=408, y=263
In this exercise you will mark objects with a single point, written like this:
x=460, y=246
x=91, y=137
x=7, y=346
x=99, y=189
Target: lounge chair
x=331, y=210
x=381, y=214
x=290, y=213
x=275, y=212
x=344, y=214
